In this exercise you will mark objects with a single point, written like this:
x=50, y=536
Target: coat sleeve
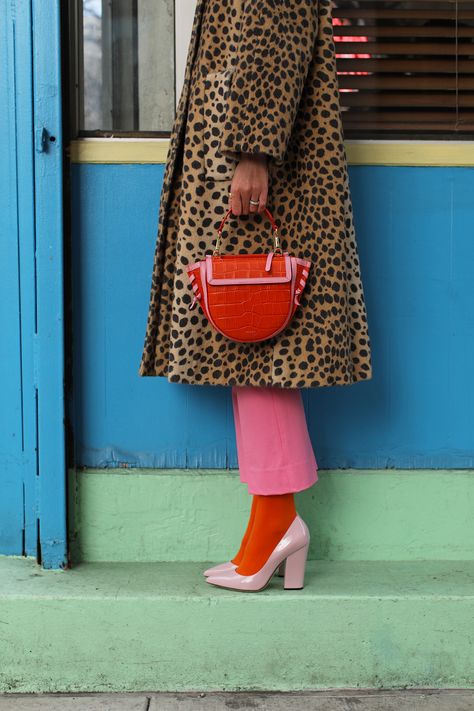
x=273, y=57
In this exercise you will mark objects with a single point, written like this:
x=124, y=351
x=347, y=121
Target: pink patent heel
x=291, y=550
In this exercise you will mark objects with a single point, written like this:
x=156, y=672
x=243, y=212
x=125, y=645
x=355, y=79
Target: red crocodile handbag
x=248, y=297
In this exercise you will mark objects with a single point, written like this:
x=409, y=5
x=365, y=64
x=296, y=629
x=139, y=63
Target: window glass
x=127, y=51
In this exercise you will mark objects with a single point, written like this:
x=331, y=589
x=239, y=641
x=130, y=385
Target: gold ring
x=254, y=202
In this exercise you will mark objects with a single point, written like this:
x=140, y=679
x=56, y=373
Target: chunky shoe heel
x=295, y=569
x=281, y=570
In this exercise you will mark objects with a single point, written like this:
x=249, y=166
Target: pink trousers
x=273, y=445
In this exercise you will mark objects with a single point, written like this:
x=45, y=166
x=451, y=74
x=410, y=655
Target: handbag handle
x=276, y=238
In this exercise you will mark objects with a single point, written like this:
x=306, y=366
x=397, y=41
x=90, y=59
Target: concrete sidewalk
x=450, y=700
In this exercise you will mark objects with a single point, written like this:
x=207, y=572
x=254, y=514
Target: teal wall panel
x=417, y=255
x=17, y=400
x=32, y=451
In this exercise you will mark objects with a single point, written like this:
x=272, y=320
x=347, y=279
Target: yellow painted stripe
x=119, y=150
x=155, y=150
x=428, y=153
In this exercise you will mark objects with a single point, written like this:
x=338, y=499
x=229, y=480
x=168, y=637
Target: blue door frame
x=32, y=436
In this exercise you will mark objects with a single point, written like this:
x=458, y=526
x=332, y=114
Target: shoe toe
x=223, y=581
x=221, y=568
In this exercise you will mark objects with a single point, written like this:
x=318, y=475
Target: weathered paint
x=160, y=626
x=145, y=515
x=32, y=455
x=417, y=253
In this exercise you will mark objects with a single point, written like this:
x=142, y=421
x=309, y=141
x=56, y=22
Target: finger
x=245, y=198
x=263, y=200
x=236, y=202
x=230, y=195
x=254, y=203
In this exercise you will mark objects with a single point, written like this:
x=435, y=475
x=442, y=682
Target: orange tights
x=270, y=518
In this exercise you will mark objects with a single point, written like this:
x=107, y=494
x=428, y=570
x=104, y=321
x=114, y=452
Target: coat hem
x=284, y=383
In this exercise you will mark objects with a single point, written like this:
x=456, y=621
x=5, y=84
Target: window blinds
x=405, y=66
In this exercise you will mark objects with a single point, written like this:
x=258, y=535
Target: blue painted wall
x=416, y=246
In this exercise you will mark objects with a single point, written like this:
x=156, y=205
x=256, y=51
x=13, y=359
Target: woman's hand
x=250, y=182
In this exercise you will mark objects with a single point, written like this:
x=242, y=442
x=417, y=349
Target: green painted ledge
x=160, y=627
x=199, y=515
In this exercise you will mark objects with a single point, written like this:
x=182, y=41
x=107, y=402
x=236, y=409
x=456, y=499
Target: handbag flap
x=247, y=269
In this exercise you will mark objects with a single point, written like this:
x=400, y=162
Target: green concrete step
x=160, y=627
x=192, y=515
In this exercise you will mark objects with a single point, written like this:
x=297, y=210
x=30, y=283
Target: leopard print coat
x=260, y=77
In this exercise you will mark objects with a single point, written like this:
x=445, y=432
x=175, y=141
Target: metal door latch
x=43, y=139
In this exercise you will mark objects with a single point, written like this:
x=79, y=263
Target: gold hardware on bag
x=276, y=242
x=216, y=252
